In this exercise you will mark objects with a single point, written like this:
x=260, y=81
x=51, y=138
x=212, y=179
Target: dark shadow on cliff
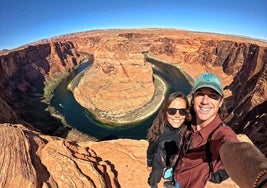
x=22, y=82
x=41, y=171
x=35, y=112
x=109, y=137
x=253, y=125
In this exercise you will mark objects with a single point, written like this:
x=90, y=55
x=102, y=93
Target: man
x=199, y=159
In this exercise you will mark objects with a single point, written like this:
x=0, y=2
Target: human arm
x=243, y=162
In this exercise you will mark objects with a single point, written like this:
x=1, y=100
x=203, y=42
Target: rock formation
x=28, y=75
x=31, y=159
x=124, y=83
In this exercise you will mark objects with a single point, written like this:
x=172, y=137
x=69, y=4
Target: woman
x=165, y=134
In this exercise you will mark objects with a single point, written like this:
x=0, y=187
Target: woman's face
x=176, y=117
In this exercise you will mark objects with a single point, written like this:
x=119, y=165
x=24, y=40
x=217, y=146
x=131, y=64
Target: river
x=81, y=119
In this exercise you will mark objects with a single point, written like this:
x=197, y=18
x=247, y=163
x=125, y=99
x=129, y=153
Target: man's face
x=206, y=105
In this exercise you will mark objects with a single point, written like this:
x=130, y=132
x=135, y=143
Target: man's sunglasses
x=172, y=111
x=214, y=96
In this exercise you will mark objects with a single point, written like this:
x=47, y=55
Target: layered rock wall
x=240, y=62
x=30, y=159
x=247, y=104
x=24, y=75
x=41, y=160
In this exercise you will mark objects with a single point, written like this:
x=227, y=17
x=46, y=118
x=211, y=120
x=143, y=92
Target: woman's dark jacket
x=164, y=148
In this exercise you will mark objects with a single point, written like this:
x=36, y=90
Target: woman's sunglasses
x=172, y=111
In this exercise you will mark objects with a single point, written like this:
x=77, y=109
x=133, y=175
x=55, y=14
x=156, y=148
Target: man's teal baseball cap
x=208, y=80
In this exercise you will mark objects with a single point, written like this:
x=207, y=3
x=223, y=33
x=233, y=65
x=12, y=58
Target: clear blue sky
x=26, y=21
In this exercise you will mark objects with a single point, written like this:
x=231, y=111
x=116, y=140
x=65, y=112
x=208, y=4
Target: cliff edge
x=30, y=159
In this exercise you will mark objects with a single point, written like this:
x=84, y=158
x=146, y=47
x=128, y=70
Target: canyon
x=44, y=152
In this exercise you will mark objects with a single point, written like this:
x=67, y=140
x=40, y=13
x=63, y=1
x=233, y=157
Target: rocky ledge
x=30, y=159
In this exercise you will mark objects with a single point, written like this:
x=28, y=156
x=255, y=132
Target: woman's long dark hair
x=160, y=121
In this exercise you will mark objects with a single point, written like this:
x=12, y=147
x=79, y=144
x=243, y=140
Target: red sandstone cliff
x=30, y=159
x=24, y=73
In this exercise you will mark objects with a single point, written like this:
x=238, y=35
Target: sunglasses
x=214, y=96
x=172, y=111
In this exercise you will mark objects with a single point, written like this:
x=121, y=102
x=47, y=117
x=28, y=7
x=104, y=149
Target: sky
x=26, y=21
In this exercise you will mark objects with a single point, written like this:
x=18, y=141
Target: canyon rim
x=31, y=72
